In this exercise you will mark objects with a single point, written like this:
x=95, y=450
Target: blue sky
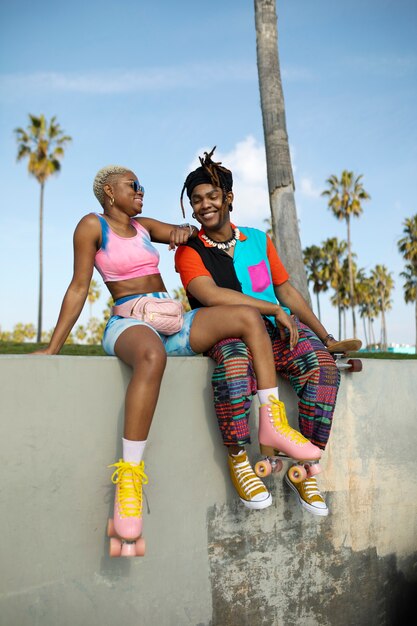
x=151, y=85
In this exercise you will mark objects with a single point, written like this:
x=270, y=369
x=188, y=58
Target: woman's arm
x=173, y=234
x=86, y=240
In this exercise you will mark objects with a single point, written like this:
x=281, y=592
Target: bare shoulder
x=88, y=228
x=146, y=222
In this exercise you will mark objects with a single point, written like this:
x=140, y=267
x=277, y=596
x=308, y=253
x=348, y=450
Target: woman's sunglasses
x=136, y=186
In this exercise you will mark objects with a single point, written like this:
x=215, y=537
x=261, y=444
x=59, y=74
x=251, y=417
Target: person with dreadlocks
x=118, y=244
x=236, y=266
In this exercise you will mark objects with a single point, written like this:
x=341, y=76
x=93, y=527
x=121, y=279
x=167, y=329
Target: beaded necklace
x=223, y=245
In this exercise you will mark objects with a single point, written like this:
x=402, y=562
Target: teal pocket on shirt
x=259, y=276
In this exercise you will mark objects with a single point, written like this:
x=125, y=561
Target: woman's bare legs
x=212, y=324
x=141, y=349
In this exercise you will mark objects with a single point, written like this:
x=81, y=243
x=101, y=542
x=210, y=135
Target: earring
x=193, y=215
x=230, y=207
x=111, y=201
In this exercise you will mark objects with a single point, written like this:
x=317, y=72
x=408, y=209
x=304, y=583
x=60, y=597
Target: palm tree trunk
x=280, y=176
x=40, y=299
x=383, y=328
x=344, y=323
x=318, y=306
x=416, y=326
x=352, y=297
x=364, y=330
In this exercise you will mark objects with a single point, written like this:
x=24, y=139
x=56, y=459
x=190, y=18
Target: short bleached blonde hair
x=103, y=177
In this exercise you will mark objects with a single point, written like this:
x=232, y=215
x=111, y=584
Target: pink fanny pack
x=163, y=314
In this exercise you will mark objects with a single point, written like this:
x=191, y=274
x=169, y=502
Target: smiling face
x=211, y=208
x=127, y=193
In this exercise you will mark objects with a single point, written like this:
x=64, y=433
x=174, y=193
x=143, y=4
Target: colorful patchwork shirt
x=253, y=270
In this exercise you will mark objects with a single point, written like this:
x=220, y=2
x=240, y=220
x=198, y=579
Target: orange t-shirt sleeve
x=278, y=271
x=189, y=265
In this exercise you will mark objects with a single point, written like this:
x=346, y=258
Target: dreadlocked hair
x=103, y=177
x=208, y=172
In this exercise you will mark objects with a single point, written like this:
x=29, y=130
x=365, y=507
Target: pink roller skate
x=278, y=441
x=125, y=529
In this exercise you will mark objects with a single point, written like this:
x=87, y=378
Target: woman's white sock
x=133, y=450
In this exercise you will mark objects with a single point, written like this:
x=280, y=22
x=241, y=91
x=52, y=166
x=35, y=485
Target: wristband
x=327, y=337
x=187, y=225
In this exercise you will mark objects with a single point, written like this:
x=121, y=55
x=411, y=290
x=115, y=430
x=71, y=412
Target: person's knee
x=250, y=317
x=230, y=351
x=151, y=358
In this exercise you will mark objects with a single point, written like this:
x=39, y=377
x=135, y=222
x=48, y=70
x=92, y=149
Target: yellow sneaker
x=309, y=495
x=251, y=490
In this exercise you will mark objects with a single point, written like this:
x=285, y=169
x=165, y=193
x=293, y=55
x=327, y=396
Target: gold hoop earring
x=111, y=201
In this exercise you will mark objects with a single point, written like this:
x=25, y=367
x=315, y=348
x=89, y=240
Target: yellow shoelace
x=279, y=419
x=130, y=478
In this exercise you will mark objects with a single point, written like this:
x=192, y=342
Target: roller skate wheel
x=110, y=528
x=314, y=469
x=140, y=547
x=128, y=548
x=297, y=474
x=277, y=466
x=263, y=468
x=115, y=548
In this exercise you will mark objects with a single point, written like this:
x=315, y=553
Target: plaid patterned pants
x=309, y=368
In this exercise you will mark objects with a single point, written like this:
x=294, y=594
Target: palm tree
x=94, y=292
x=410, y=289
x=43, y=144
x=383, y=285
x=366, y=301
x=345, y=197
x=278, y=161
x=180, y=294
x=333, y=255
x=407, y=245
x=316, y=272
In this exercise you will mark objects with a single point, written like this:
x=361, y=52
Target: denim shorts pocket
x=259, y=276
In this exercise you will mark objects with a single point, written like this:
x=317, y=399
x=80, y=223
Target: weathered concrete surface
x=209, y=561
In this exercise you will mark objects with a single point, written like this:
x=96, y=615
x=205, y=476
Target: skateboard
x=340, y=352
x=300, y=470
x=123, y=547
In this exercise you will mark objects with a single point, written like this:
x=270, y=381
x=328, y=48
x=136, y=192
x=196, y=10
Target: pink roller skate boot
x=125, y=529
x=275, y=434
x=278, y=441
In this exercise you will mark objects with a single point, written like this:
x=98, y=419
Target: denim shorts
x=175, y=345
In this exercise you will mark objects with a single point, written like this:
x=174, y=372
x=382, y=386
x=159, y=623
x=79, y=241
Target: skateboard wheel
x=140, y=547
x=355, y=365
x=110, y=528
x=297, y=474
x=115, y=548
x=263, y=468
x=277, y=466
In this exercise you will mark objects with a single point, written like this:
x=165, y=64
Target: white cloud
x=247, y=163
x=306, y=188
x=124, y=81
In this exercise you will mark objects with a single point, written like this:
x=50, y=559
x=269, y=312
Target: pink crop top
x=121, y=258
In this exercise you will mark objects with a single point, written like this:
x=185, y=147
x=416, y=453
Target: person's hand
x=329, y=341
x=283, y=321
x=42, y=351
x=179, y=235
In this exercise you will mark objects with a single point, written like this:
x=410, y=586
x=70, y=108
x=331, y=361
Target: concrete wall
x=209, y=560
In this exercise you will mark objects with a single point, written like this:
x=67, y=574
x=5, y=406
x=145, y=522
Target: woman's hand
x=44, y=351
x=283, y=321
x=180, y=234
